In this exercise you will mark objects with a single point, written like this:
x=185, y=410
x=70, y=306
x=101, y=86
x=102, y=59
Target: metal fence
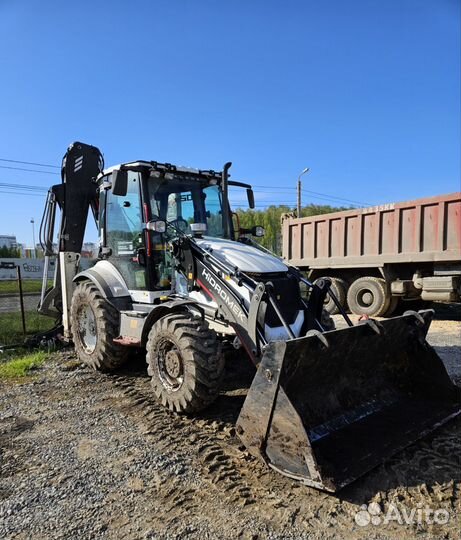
x=19, y=298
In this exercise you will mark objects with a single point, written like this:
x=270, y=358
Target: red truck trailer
x=376, y=256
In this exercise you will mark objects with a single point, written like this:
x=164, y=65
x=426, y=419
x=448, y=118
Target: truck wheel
x=339, y=288
x=368, y=296
x=185, y=362
x=393, y=304
x=94, y=324
x=327, y=321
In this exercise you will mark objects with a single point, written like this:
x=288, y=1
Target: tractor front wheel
x=185, y=362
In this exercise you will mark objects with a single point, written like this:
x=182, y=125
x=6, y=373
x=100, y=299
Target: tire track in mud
x=168, y=431
x=212, y=440
x=240, y=480
x=224, y=473
x=236, y=477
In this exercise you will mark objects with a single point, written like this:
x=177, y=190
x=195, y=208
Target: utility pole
x=304, y=171
x=33, y=235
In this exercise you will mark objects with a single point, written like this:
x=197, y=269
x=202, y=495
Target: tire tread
x=200, y=350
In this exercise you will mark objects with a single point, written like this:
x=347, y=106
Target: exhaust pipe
x=225, y=199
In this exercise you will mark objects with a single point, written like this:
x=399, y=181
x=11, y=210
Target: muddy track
x=228, y=473
x=213, y=438
x=427, y=473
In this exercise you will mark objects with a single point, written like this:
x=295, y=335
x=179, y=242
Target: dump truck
x=178, y=279
x=377, y=257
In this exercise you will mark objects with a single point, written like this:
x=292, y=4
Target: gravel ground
x=87, y=455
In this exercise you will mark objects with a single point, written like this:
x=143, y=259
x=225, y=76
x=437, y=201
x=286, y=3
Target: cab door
x=123, y=233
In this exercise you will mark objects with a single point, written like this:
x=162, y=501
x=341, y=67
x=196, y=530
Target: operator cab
x=144, y=205
x=183, y=202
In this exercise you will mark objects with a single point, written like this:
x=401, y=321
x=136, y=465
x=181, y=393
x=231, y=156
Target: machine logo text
x=231, y=304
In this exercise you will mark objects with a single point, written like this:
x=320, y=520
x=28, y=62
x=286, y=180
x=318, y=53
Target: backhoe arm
x=76, y=194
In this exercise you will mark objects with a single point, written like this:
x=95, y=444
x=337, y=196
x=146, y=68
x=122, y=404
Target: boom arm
x=75, y=195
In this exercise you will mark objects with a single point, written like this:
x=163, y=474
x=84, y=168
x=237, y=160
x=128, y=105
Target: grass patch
x=11, y=326
x=20, y=367
x=28, y=286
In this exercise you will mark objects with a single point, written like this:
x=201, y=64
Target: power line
x=268, y=202
x=313, y=194
x=30, y=163
x=15, y=187
x=328, y=199
x=325, y=195
x=259, y=188
x=265, y=203
x=279, y=204
x=22, y=186
x=27, y=170
x=315, y=197
x=320, y=194
x=22, y=193
x=332, y=197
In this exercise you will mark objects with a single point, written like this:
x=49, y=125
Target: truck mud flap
x=328, y=407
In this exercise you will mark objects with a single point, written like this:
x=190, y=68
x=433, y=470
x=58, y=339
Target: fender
x=109, y=282
x=166, y=308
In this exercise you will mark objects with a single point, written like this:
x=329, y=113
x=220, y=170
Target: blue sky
x=366, y=93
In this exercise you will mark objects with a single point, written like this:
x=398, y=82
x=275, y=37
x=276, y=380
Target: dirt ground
x=88, y=455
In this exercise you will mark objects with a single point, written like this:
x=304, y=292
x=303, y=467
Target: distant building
x=8, y=241
x=40, y=254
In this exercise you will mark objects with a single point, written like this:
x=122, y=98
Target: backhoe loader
x=176, y=277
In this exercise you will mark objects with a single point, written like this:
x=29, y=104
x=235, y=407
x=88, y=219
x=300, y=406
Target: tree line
x=270, y=219
x=9, y=252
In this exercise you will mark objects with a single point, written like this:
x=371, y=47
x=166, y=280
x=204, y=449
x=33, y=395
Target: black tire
x=369, y=296
x=327, y=321
x=95, y=324
x=393, y=305
x=185, y=362
x=339, y=288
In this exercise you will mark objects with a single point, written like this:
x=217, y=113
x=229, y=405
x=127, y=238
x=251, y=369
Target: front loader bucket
x=326, y=408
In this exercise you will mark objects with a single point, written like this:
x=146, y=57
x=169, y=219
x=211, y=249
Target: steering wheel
x=179, y=223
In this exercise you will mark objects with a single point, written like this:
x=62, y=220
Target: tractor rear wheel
x=94, y=325
x=185, y=362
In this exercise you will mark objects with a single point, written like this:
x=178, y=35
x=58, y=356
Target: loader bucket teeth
x=325, y=411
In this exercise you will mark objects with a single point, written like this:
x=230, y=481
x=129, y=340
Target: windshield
x=181, y=202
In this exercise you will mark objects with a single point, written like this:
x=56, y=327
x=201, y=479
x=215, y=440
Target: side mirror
x=120, y=182
x=258, y=231
x=251, y=198
x=158, y=226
